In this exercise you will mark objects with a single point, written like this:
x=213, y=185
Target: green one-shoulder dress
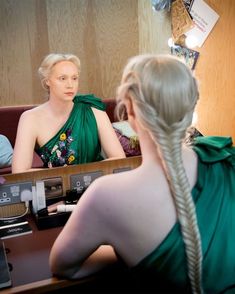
x=214, y=195
x=78, y=140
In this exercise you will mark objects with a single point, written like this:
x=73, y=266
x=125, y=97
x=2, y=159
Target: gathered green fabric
x=78, y=140
x=214, y=197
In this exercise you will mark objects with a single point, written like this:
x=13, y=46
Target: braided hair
x=165, y=93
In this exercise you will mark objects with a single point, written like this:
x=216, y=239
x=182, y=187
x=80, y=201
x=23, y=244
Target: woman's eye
x=75, y=78
x=62, y=78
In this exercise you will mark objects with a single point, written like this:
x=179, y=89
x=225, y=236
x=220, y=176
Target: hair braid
x=165, y=93
x=170, y=144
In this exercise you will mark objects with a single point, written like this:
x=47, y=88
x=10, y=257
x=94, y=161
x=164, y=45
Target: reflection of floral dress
x=77, y=141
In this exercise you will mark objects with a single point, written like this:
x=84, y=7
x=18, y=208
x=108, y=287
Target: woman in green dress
x=172, y=219
x=68, y=128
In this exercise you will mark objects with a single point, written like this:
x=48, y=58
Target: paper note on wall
x=204, y=18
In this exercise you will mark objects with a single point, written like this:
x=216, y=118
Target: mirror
x=103, y=34
x=93, y=30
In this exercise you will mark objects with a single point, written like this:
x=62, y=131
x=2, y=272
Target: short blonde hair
x=50, y=61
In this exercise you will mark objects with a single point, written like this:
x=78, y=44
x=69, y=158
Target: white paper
x=204, y=18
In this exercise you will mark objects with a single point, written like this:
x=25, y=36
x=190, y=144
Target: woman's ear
x=129, y=107
x=131, y=113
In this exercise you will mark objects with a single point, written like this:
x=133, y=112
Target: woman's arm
x=80, y=249
x=103, y=257
x=108, y=138
x=24, y=143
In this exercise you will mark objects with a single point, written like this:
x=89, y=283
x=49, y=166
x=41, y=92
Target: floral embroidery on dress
x=61, y=154
x=63, y=137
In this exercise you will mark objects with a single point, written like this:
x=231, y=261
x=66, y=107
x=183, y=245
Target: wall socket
x=11, y=193
x=53, y=187
x=82, y=181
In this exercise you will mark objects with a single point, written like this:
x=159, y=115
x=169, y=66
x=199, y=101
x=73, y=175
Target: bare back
x=133, y=211
x=144, y=209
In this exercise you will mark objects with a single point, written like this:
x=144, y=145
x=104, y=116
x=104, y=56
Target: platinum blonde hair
x=50, y=61
x=165, y=93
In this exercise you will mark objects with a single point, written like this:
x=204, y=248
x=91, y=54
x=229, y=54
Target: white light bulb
x=195, y=119
x=170, y=42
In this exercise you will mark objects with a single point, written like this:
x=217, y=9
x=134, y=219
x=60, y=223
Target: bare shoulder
x=33, y=114
x=108, y=192
x=27, y=116
x=99, y=114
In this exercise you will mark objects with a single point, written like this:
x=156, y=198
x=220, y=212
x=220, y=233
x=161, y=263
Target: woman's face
x=63, y=81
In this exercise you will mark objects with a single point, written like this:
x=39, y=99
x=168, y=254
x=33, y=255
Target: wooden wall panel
x=114, y=38
x=23, y=39
x=215, y=71
x=154, y=28
x=104, y=34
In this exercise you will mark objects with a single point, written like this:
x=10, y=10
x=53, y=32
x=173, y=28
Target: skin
x=33, y=125
x=131, y=212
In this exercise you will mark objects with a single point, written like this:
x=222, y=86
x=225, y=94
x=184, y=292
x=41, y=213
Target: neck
x=58, y=107
x=148, y=148
x=151, y=156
